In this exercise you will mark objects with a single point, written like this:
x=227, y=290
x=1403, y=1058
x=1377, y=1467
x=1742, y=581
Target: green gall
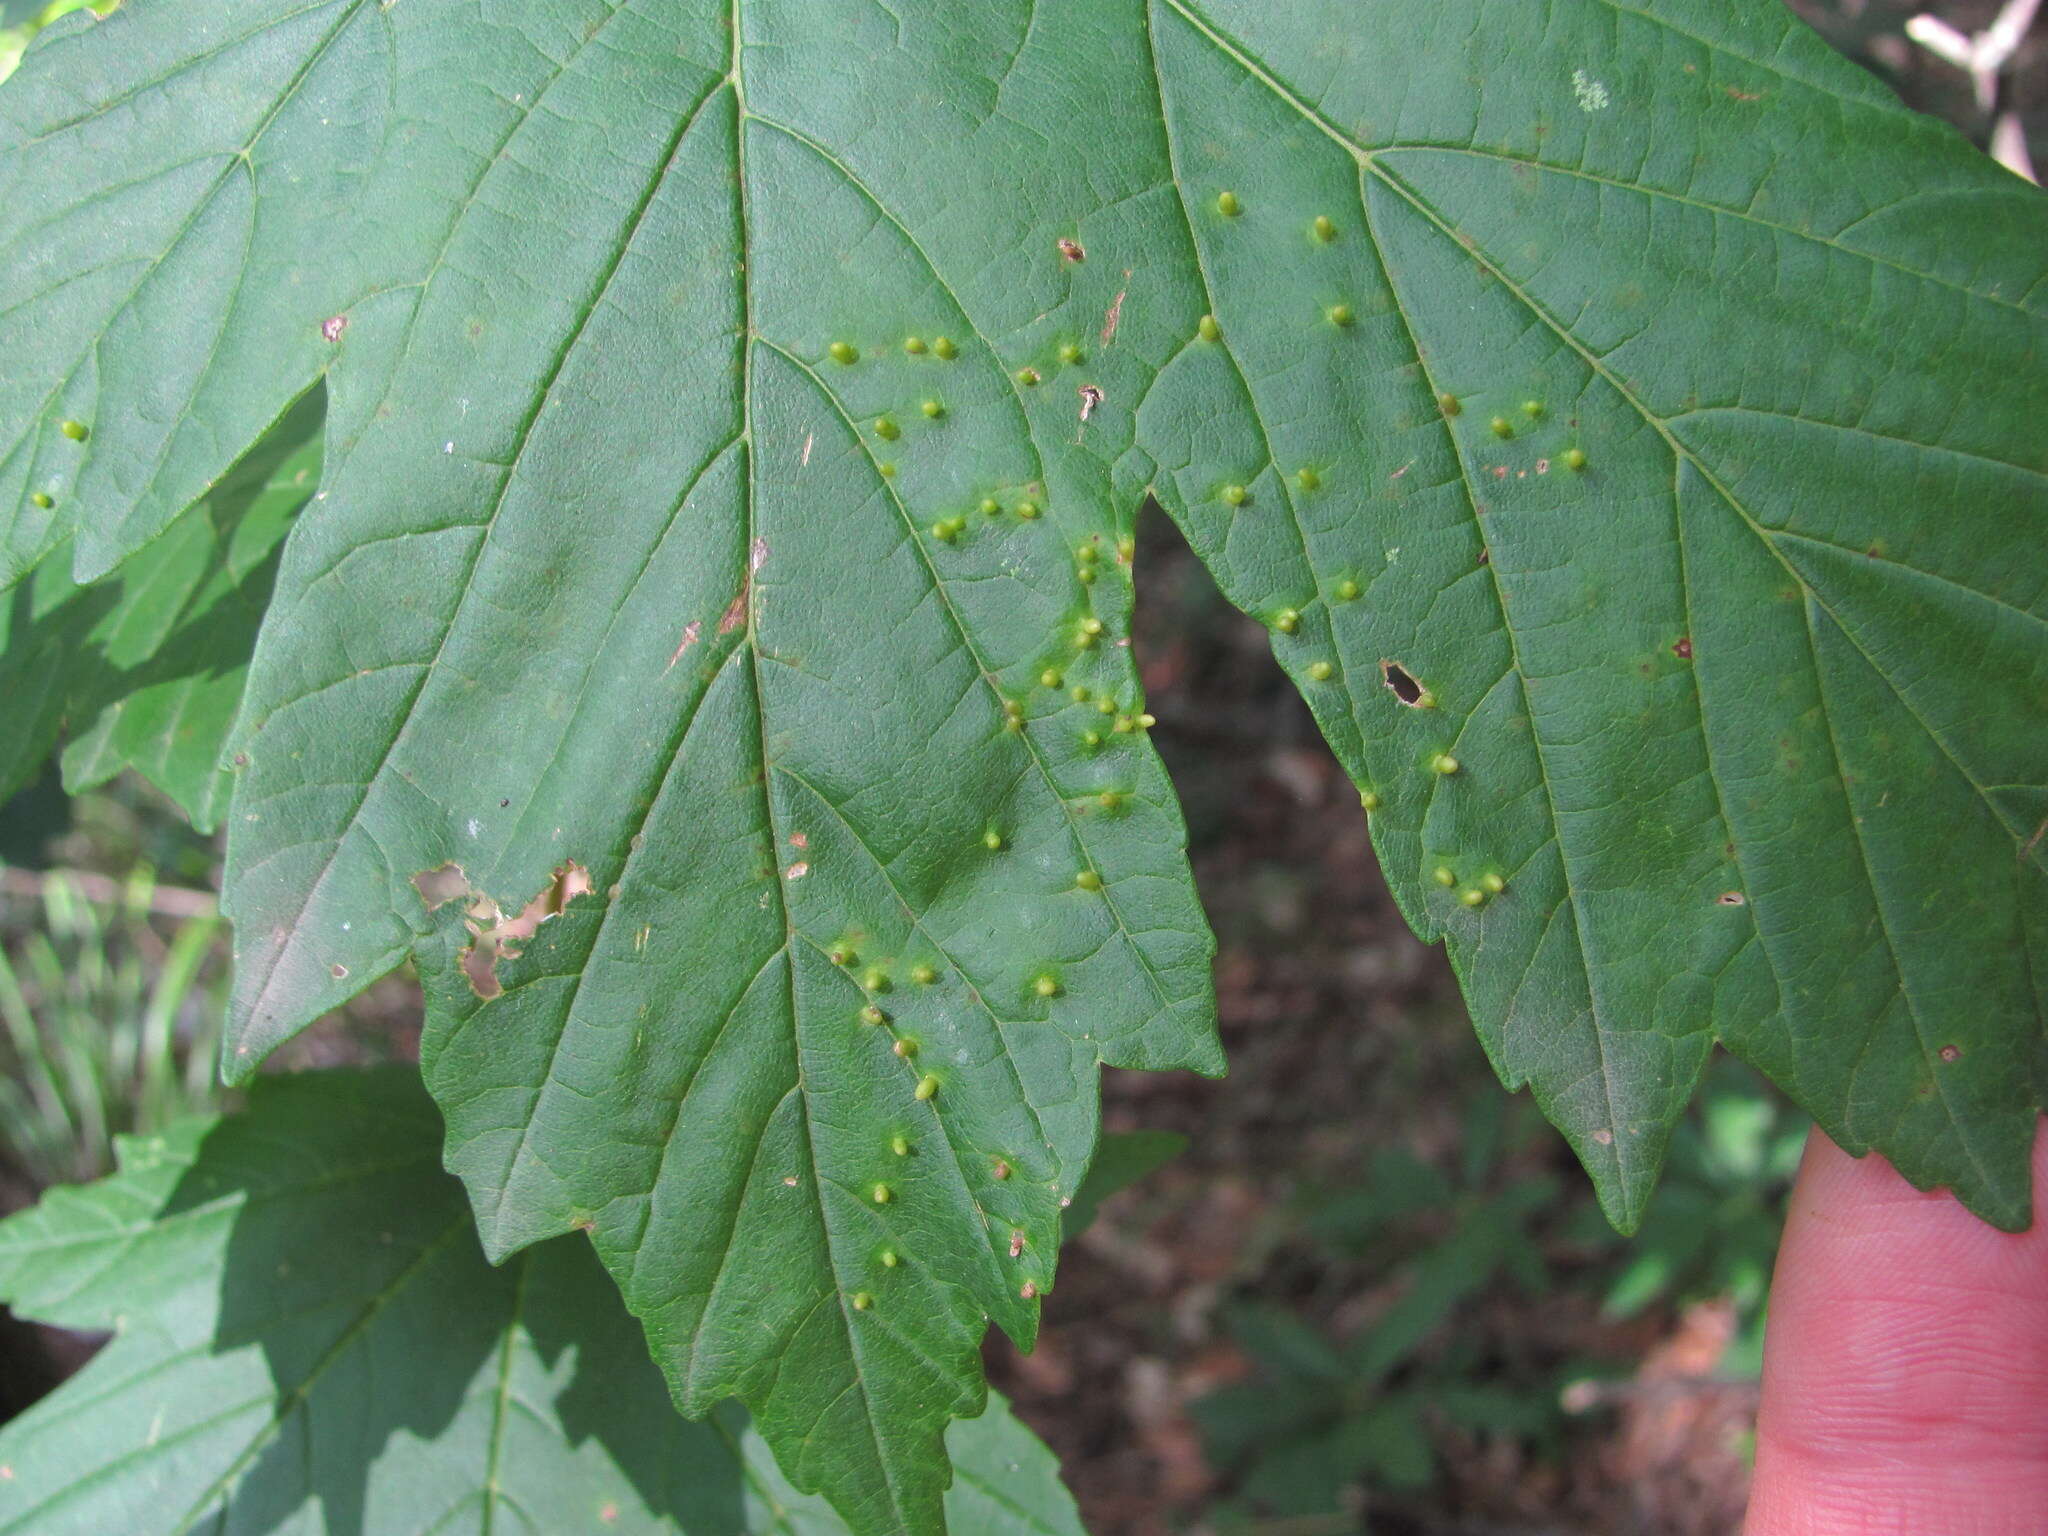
x=957, y=524
x=914, y=345
x=1208, y=329
x=1085, y=574
x=1502, y=427
x=1307, y=478
x=1091, y=626
x=886, y=429
x=841, y=954
x=862, y=1301
x=900, y=1145
x=77, y=431
x=1049, y=678
x=992, y=840
x=1087, y=554
x=1091, y=739
x=888, y=470
x=844, y=352
x=905, y=1047
x=1347, y=590
x=1287, y=621
x=1493, y=882
x=943, y=346
x=1122, y=726
x=1235, y=495
x=923, y=974
x=1341, y=314
x=1532, y=409
x=1088, y=880
x=1324, y=228
x=1472, y=896
x=876, y=979
x=1027, y=510
x=1321, y=671
x=1228, y=205
x=1045, y=986
x=42, y=499
x=1079, y=693
x=1126, y=547
x=1070, y=354
x=927, y=1086
x=1575, y=458
x=1369, y=798
x=889, y=1259
x=1443, y=763
x=1146, y=722
x=990, y=506
x=883, y=1194
x=1027, y=376
x=942, y=530
x=1110, y=800
x=873, y=1015
x=1449, y=405
x=932, y=410
x=1444, y=875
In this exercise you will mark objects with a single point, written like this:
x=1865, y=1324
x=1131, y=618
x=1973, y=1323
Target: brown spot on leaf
x=1071, y=249
x=1683, y=649
x=493, y=936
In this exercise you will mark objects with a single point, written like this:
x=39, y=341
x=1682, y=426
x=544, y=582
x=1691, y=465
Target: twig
x=164, y=900
x=1985, y=58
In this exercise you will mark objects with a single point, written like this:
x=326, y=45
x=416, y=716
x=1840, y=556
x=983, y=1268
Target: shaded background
x=1370, y=1291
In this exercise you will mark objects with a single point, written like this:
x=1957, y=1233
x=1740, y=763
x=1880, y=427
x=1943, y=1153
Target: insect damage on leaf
x=493, y=936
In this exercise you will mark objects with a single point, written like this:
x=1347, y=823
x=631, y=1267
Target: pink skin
x=1905, y=1382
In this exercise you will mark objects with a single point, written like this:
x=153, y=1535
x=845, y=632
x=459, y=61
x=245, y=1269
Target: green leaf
x=307, y=1337
x=1628, y=405
x=145, y=667
x=1121, y=1160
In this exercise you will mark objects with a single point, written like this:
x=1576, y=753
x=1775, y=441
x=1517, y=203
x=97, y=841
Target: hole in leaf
x=493, y=936
x=1406, y=689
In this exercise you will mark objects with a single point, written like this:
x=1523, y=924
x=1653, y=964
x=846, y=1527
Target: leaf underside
x=308, y=1337
x=736, y=417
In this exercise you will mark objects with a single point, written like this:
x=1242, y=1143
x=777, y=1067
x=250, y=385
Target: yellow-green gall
x=1091, y=626
x=1079, y=693
x=1208, y=329
x=1228, y=205
x=1027, y=510
x=1495, y=883
x=1324, y=228
x=1444, y=875
x=1502, y=427
x=914, y=345
x=876, y=979
x=943, y=346
x=1045, y=986
x=923, y=974
x=1070, y=354
x=1575, y=458
x=887, y=469
x=1443, y=763
x=886, y=429
x=873, y=1015
x=1369, y=798
x=1085, y=574
x=1321, y=671
x=1126, y=548
x=992, y=840
x=1110, y=800
x=1146, y=722
x=42, y=499
x=1088, y=880
x=1087, y=554
x=942, y=530
x=841, y=954
x=905, y=1047
x=1287, y=621
x=932, y=410
x=1091, y=739
x=844, y=352
x=77, y=431
x=1532, y=409
x=990, y=506
x=1027, y=376
x=889, y=1258
x=1341, y=314
x=1049, y=678
x=1472, y=896
x=883, y=1194
x=862, y=1301
x=1450, y=405
x=900, y=1145
x=927, y=1086
x=1235, y=495
x=1347, y=590
x=1307, y=478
